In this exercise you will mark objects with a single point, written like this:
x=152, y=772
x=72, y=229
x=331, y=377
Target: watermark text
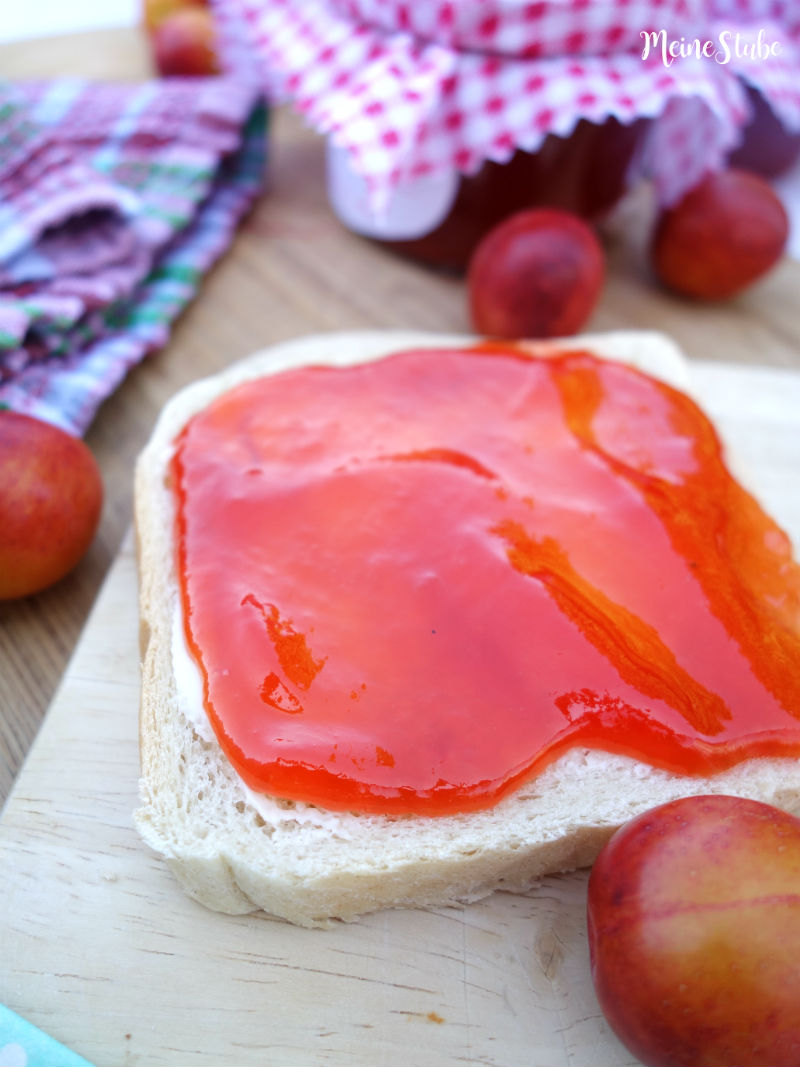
x=728, y=45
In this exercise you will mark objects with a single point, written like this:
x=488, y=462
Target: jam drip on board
x=410, y=584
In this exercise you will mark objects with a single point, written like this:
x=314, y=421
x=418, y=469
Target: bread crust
x=313, y=867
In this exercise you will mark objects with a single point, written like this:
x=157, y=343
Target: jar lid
x=410, y=88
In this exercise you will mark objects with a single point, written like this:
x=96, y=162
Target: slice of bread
x=235, y=852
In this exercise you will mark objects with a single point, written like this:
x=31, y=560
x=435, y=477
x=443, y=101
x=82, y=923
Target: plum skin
x=724, y=235
x=51, y=495
x=184, y=44
x=537, y=274
x=694, y=934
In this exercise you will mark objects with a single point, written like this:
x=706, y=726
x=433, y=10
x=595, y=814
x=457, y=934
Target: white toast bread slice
x=237, y=853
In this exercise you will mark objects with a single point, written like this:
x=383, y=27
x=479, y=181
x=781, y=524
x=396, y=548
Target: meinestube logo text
x=727, y=45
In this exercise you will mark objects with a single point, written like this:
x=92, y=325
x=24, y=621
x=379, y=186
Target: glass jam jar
x=439, y=220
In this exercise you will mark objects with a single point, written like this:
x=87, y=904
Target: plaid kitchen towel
x=24, y=1045
x=114, y=201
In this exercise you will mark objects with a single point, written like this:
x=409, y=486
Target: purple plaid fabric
x=114, y=200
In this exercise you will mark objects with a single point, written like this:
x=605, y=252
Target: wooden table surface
x=294, y=270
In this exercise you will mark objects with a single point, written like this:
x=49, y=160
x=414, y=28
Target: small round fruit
x=154, y=12
x=51, y=495
x=539, y=273
x=694, y=934
x=721, y=237
x=185, y=44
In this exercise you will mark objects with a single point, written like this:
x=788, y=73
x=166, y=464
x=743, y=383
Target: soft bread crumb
x=236, y=854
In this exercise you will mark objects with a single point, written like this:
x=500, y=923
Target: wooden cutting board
x=102, y=950
x=293, y=269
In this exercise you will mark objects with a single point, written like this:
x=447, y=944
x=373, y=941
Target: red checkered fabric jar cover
x=413, y=88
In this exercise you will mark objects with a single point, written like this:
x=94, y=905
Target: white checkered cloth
x=414, y=87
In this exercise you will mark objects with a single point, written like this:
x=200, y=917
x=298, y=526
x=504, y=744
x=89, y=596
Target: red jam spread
x=410, y=584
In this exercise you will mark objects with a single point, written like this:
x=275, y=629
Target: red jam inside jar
x=585, y=173
x=410, y=584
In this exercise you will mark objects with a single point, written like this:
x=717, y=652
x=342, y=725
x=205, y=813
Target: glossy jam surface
x=410, y=584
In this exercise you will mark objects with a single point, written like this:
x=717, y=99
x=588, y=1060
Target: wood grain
x=101, y=949
x=294, y=270
x=99, y=946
